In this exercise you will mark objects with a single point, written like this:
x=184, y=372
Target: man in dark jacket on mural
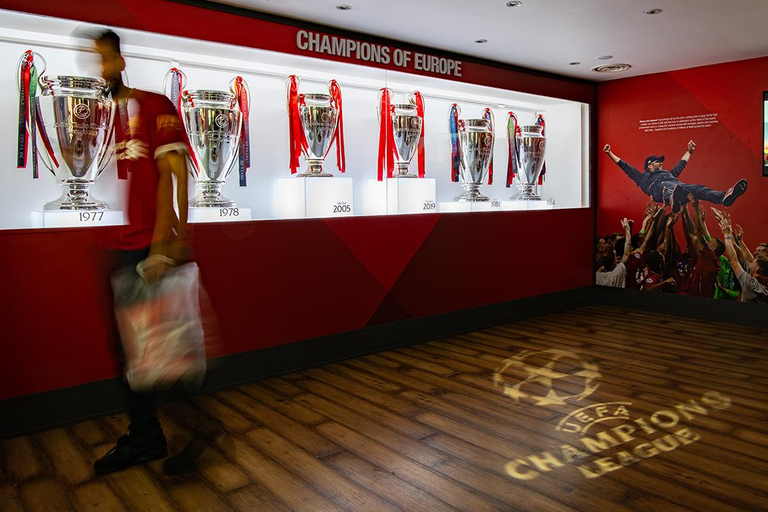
x=664, y=186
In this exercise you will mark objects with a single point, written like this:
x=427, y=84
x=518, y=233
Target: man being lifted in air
x=664, y=186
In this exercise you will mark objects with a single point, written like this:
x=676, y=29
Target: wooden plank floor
x=593, y=409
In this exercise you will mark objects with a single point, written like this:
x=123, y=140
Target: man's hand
x=738, y=233
x=607, y=148
x=625, y=224
x=154, y=268
x=718, y=214
x=691, y=146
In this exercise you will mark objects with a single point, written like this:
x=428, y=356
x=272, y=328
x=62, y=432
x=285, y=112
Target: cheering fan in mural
x=664, y=186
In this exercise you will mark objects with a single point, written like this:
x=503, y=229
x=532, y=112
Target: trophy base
x=314, y=175
x=521, y=197
x=315, y=170
x=398, y=176
x=471, y=194
x=76, y=196
x=213, y=203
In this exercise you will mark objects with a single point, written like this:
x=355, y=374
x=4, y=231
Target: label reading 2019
x=380, y=54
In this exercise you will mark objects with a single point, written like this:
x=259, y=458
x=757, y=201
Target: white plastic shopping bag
x=160, y=328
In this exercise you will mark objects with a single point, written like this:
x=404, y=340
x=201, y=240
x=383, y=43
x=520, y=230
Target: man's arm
x=678, y=168
x=653, y=287
x=627, y=240
x=630, y=171
x=730, y=251
x=168, y=227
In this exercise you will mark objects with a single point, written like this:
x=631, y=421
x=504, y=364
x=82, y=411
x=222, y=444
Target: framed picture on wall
x=765, y=133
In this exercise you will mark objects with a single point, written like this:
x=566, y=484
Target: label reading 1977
x=342, y=208
x=91, y=216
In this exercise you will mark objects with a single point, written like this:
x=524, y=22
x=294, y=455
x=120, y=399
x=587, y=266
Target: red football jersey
x=147, y=127
x=635, y=265
x=703, y=277
x=650, y=277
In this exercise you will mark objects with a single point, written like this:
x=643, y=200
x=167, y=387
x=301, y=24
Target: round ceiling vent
x=612, y=68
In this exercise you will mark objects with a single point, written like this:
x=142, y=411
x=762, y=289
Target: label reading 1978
x=229, y=212
x=91, y=217
x=342, y=208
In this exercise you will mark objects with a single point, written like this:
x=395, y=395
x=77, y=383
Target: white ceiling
x=548, y=34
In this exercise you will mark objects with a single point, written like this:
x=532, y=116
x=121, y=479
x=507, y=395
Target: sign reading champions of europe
x=380, y=54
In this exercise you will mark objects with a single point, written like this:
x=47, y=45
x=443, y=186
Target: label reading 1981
x=229, y=212
x=429, y=206
x=342, y=208
x=91, y=216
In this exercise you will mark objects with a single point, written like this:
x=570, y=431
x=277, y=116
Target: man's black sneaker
x=130, y=451
x=184, y=462
x=735, y=191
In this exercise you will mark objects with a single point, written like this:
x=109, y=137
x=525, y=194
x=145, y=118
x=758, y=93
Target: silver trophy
x=213, y=122
x=318, y=123
x=475, y=143
x=318, y=118
x=406, y=132
x=529, y=155
x=77, y=116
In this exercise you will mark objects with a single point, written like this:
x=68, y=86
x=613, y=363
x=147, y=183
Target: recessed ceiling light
x=653, y=11
x=612, y=68
x=514, y=3
x=481, y=41
x=501, y=105
x=574, y=63
x=344, y=7
x=604, y=57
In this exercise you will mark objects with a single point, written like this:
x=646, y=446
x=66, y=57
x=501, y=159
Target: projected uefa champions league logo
x=560, y=378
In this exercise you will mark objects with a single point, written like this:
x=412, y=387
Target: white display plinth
x=314, y=197
x=230, y=214
x=400, y=195
x=411, y=195
x=527, y=205
x=77, y=218
x=494, y=205
x=375, y=198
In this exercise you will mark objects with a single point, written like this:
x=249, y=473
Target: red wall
x=277, y=282
x=725, y=152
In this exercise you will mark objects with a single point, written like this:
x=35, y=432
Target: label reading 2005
x=342, y=208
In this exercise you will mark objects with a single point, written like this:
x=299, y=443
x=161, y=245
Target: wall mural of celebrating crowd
x=693, y=226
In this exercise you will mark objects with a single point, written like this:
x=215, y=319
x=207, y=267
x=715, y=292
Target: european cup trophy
x=73, y=117
x=527, y=146
x=401, y=135
x=214, y=121
x=315, y=121
x=472, y=153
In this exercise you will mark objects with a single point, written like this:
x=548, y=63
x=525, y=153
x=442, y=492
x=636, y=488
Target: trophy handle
x=292, y=79
x=378, y=100
x=109, y=147
x=167, y=78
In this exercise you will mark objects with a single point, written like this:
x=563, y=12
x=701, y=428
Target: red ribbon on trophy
x=386, y=136
x=178, y=80
x=540, y=122
x=487, y=114
x=30, y=118
x=240, y=91
x=297, y=142
x=513, y=132
x=418, y=100
x=453, y=122
x=335, y=91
